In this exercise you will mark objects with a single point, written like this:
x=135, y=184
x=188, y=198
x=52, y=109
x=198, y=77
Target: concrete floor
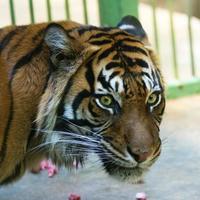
x=175, y=176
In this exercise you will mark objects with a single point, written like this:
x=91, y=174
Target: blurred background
x=173, y=27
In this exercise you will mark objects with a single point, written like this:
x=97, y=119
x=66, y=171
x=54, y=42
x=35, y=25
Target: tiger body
x=54, y=75
x=20, y=52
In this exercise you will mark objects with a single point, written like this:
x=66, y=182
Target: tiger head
x=105, y=95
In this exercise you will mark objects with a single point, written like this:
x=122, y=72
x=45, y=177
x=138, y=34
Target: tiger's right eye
x=152, y=99
x=106, y=100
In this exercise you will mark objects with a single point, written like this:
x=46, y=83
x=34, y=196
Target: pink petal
x=74, y=197
x=141, y=196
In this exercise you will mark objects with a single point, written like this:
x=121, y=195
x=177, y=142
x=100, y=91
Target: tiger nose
x=139, y=154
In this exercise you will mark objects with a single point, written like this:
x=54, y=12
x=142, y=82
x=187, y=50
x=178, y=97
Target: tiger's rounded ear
x=64, y=50
x=133, y=26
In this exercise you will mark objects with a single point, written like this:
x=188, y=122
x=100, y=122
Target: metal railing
x=49, y=11
x=192, y=84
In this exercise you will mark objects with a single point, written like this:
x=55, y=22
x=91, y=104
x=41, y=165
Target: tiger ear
x=64, y=50
x=133, y=26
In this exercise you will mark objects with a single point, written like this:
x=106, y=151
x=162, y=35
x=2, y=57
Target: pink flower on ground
x=141, y=196
x=49, y=166
x=74, y=197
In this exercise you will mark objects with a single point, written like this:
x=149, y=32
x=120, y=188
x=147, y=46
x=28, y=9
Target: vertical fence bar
x=171, y=8
x=49, y=10
x=153, y=4
x=189, y=6
x=67, y=10
x=85, y=11
x=12, y=12
x=31, y=9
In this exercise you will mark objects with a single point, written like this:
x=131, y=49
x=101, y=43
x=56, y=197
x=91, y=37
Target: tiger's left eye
x=152, y=99
x=106, y=100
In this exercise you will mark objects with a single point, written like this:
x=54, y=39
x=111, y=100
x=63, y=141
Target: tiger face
x=113, y=103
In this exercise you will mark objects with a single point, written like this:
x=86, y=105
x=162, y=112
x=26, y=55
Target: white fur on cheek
x=68, y=112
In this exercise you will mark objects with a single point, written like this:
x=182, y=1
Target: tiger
x=68, y=91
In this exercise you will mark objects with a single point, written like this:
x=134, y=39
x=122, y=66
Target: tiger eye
x=152, y=98
x=106, y=100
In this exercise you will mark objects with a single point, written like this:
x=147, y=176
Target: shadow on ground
x=175, y=176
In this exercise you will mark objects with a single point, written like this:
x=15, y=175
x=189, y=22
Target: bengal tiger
x=68, y=90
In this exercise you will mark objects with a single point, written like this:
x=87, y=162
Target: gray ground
x=175, y=176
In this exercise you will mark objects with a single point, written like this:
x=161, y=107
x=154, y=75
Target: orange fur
x=31, y=91
x=26, y=92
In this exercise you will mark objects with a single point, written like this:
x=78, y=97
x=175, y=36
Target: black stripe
x=13, y=49
x=5, y=41
x=78, y=99
x=106, y=29
x=23, y=36
x=38, y=35
x=154, y=78
x=24, y=60
x=120, y=33
x=84, y=122
x=142, y=63
x=99, y=35
x=133, y=49
x=100, y=42
x=6, y=131
x=105, y=53
x=93, y=54
x=129, y=62
x=163, y=108
x=131, y=40
x=116, y=86
x=32, y=132
x=27, y=58
x=158, y=75
x=146, y=74
x=90, y=76
x=102, y=80
x=16, y=174
x=84, y=29
x=90, y=108
x=112, y=65
x=113, y=75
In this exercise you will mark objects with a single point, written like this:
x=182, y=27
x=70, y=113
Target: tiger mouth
x=126, y=171
x=131, y=175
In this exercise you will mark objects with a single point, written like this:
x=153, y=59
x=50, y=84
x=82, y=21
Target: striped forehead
x=112, y=80
x=151, y=78
x=109, y=81
x=113, y=72
x=119, y=53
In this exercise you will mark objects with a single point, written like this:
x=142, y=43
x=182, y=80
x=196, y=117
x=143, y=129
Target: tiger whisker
x=73, y=135
x=66, y=142
x=75, y=125
x=164, y=141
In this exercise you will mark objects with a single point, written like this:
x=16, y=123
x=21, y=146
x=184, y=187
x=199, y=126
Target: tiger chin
x=75, y=90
